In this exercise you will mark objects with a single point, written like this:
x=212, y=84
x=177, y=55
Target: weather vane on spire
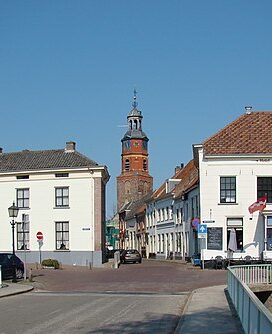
x=134, y=104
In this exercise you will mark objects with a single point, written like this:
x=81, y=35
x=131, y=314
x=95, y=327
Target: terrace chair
x=219, y=262
x=248, y=259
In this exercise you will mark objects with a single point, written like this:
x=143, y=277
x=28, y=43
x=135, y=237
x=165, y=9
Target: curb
x=183, y=314
x=13, y=293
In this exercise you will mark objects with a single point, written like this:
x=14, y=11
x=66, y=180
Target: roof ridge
x=31, y=151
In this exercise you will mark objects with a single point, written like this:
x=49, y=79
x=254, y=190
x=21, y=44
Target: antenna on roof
x=248, y=110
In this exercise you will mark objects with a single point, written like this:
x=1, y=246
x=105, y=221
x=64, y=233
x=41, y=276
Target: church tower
x=134, y=181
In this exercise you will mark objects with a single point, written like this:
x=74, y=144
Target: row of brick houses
x=229, y=171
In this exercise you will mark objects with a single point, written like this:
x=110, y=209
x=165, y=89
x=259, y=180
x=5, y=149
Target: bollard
x=116, y=260
x=30, y=275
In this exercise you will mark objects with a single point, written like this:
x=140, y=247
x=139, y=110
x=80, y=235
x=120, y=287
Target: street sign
x=202, y=231
x=195, y=223
x=208, y=221
x=39, y=236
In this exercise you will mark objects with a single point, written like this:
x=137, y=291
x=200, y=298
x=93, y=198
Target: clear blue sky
x=68, y=70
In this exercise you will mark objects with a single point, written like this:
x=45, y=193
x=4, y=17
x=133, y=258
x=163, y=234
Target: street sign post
x=39, y=236
x=202, y=231
x=202, y=234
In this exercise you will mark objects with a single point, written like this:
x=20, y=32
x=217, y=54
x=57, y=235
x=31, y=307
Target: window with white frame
x=62, y=197
x=264, y=187
x=159, y=215
x=22, y=196
x=177, y=216
x=227, y=189
x=23, y=233
x=162, y=241
x=167, y=213
x=269, y=233
x=171, y=212
x=181, y=215
x=237, y=225
x=186, y=211
x=62, y=235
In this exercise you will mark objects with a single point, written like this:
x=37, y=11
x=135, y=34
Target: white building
x=235, y=167
x=169, y=215
x=60, y=193
x=186, y=210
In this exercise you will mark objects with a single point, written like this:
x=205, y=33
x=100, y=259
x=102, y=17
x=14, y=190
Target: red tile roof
x=189, y=178
x=161, y=191
x=251, y=133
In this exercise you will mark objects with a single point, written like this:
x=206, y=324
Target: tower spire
x=134, y=103
x=134, y=182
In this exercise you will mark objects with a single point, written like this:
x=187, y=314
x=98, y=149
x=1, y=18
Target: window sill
x=24, y=208
x=228, y=203
x=61, y=207
x=61, y=250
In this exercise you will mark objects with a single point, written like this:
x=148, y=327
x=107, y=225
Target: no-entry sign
x=39, y=236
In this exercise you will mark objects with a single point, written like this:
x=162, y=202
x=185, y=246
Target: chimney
x=70, y=146
x=178, y=168
x=248, y=110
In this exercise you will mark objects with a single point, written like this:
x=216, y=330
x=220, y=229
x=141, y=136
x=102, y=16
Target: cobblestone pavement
x=150, y=276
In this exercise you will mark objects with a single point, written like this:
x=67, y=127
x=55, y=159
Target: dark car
x=7, y=261
x=110, y=253
x=130, y=255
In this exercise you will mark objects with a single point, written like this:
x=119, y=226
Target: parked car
x=130, y=255
x=110, y=253
x=7, y=260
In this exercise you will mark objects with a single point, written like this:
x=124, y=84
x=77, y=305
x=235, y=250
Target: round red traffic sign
x=39, y=235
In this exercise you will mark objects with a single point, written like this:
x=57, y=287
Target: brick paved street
x=150, y=276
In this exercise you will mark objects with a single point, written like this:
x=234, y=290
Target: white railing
x=254, y=316
x=254, y=274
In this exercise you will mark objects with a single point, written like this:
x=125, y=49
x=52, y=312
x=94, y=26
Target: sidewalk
x=208, y=312
x=9, y=289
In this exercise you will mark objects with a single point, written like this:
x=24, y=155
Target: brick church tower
x=134, y=181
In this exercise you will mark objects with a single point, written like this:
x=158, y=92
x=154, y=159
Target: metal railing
x=254, y=316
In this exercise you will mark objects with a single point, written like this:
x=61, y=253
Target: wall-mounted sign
x=208, y=221
x=86, y=228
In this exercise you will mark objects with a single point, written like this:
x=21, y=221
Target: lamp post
x=13, y=213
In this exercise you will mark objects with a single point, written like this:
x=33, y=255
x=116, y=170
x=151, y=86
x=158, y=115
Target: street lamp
x=13, y=213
